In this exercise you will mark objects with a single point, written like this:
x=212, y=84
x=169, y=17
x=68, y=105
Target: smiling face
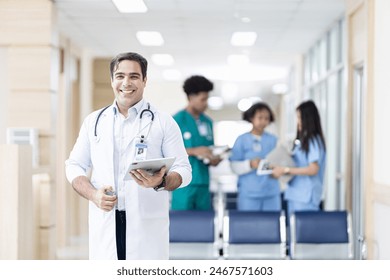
x=128, y=85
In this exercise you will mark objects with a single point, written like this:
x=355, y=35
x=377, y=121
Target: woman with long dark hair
x=304, y=190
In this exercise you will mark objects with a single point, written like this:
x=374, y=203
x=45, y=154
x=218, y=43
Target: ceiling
x=197, y=34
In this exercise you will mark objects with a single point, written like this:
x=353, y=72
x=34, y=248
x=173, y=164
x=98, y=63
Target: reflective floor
x=77, y=250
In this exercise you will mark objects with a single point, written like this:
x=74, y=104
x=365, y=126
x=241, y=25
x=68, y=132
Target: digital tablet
x=150, y=165
x=264, y=168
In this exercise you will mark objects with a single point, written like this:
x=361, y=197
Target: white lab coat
x=147, y=211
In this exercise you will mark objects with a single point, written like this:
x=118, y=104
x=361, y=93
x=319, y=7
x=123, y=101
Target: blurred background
x=54, y=70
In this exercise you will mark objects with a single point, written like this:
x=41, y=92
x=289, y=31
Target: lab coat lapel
x=107, y=130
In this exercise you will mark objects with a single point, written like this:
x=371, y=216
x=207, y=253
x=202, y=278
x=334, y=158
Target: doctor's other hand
x=103, y=200
x=147, y=180
x=277, y=171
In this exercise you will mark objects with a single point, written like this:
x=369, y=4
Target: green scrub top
x=196, y=133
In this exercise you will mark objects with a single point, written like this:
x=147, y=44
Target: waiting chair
x=193, y=235
x=254, y=235
x=320, y=235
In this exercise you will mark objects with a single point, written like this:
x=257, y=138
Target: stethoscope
x=142, y=137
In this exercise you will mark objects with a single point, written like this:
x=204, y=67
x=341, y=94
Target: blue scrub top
x=247, y=147
x=307, y=189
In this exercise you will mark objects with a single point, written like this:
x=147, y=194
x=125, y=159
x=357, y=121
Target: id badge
x=202, y=127
x=140, y=151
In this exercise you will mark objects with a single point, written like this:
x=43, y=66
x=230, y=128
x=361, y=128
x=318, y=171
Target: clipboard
x=149, y=165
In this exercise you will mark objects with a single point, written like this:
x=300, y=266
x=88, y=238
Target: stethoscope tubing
x=140, y=117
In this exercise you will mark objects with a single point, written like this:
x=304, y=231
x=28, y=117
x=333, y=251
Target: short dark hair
x=250, y=113
x=129, y=56
x=195, y=84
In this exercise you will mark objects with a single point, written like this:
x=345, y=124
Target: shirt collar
x=137, y=107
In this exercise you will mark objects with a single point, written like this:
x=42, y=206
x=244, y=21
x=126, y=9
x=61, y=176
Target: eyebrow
x=130, y=74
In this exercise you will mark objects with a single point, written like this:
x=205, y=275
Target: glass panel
x=322, y=57
x=307, y=69
x=314, y=64
x=330, y=97
x=331, y=137
x=290, y=119
x=342, y=40
x=334, y=47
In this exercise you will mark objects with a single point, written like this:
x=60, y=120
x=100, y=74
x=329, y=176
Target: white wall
x=381, y=247
x=3, y=94
x=382, y=96
x=381, y=147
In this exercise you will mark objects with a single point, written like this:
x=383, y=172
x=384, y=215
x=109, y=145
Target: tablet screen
x=150, y=165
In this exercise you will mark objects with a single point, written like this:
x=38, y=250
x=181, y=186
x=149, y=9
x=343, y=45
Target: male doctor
x=128, y=219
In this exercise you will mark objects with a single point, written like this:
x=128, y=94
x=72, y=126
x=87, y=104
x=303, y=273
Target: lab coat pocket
x=153, y=204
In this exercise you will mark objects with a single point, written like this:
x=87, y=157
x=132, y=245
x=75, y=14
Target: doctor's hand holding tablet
x=150, y=173
x=147, y=180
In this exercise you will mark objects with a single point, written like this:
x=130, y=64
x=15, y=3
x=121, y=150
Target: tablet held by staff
x=150, y=165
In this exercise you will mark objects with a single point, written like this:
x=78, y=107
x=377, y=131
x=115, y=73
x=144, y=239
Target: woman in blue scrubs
x=304, y=190
x=255, y=192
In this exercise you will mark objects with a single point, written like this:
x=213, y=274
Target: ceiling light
x=243, y=38
x=130, y=6
x=238, y=59
x=150, y=38
x=245, y=103
x=172, y=75
x=162, y=59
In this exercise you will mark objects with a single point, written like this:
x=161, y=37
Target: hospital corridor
x=274, y=115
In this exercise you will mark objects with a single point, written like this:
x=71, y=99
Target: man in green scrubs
x=197, y=132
